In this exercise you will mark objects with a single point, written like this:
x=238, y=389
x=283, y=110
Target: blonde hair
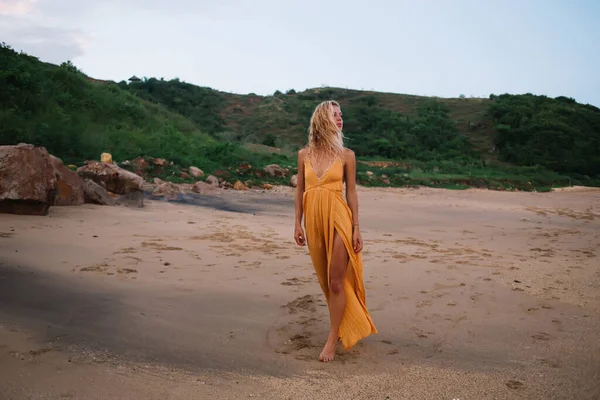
x=324, y=137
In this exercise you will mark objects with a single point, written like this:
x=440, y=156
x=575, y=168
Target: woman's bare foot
x=328, y=352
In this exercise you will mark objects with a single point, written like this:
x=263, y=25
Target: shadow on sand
x=246, y=203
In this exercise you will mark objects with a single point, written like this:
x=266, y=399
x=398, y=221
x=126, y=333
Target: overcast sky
x=426, y=47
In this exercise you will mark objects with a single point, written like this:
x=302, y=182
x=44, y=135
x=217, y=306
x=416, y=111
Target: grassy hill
x=508, y=141
x=281, y=120
x=497, y=142
x=77, y=118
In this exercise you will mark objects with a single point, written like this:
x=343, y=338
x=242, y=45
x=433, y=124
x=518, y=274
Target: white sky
x=426, y=47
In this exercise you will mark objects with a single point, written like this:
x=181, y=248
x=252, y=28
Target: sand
x=476, y=294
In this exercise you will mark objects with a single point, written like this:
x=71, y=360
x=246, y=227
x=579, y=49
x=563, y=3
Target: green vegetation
x=558, y=134
x=201, y=105
x=77, y=119
x=523, y=142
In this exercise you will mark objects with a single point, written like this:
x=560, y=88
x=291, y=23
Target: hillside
x=509, y=141
x=522, y=130
x=376, y=122
x=78, y=118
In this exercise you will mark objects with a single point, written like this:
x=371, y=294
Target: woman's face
x=337, y=117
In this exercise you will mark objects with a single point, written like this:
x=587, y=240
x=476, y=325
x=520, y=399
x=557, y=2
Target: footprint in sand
x=541, y=336
x=305, y=303
x=550, y=363
x=513, y=384
x=127, y=271
x=95, y=268
x=159, y=246
x=424, y=303
x=295, y=281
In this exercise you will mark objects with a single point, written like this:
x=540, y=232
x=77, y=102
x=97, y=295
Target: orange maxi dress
x=326, y=211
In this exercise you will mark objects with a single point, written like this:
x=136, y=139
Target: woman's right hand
x=299, y=235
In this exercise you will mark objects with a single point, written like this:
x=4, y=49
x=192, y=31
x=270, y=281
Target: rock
x=113, y=178
x=267, y=186
x=226, y=185
x=131, y=199
x=168, y=190
x=141, y=166
x=184, y=175
x=196, y=172
x=106, y=158
x=244, y=168
x=96, y=194
x=69, y=186
x=202, y=187
x=212, y=181
x=294, y=181
x=161, y=162
x=222, y=174
x=239, y=186
x=275, y=170
x=369, y=173
x=27, y=180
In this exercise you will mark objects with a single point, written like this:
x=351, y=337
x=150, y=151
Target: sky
x=424, y=47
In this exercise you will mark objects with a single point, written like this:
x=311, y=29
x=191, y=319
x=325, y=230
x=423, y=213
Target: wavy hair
x=324, y=137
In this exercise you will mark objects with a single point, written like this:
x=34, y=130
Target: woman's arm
x=298, y=231
x=352, y=198
x=351, y=195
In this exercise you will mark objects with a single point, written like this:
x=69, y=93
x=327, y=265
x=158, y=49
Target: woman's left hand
x=357, y=241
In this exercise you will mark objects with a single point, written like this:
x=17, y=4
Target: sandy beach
x=476, y=295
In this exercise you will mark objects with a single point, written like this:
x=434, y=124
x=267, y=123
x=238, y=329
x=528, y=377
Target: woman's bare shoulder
x=302, y=154
x=349, y=155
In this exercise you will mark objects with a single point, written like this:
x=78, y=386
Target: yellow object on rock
x=106, y=158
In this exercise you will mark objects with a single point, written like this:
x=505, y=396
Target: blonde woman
x=332, y=227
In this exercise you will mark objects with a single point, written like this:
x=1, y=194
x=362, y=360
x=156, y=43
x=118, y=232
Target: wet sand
x=476, y=294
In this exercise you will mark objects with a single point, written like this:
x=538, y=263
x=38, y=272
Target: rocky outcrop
x=111, y=177
x=212, y=181
x=238, y=185
x=167, y=190
x=27, y=180
x=196, y=172
x=202, y=188
x=69, y=186
x=96, y=194
x=275, y=170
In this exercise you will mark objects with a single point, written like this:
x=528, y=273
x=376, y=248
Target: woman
x=332, y=228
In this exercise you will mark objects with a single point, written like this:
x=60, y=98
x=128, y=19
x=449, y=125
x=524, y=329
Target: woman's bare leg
x=337, y=296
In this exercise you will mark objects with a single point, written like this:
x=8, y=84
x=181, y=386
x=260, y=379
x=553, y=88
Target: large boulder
x=69, y=186
x=167, y=190
x=96, y=194
x=27, y=180
x=202, y=188
x=111, y=177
